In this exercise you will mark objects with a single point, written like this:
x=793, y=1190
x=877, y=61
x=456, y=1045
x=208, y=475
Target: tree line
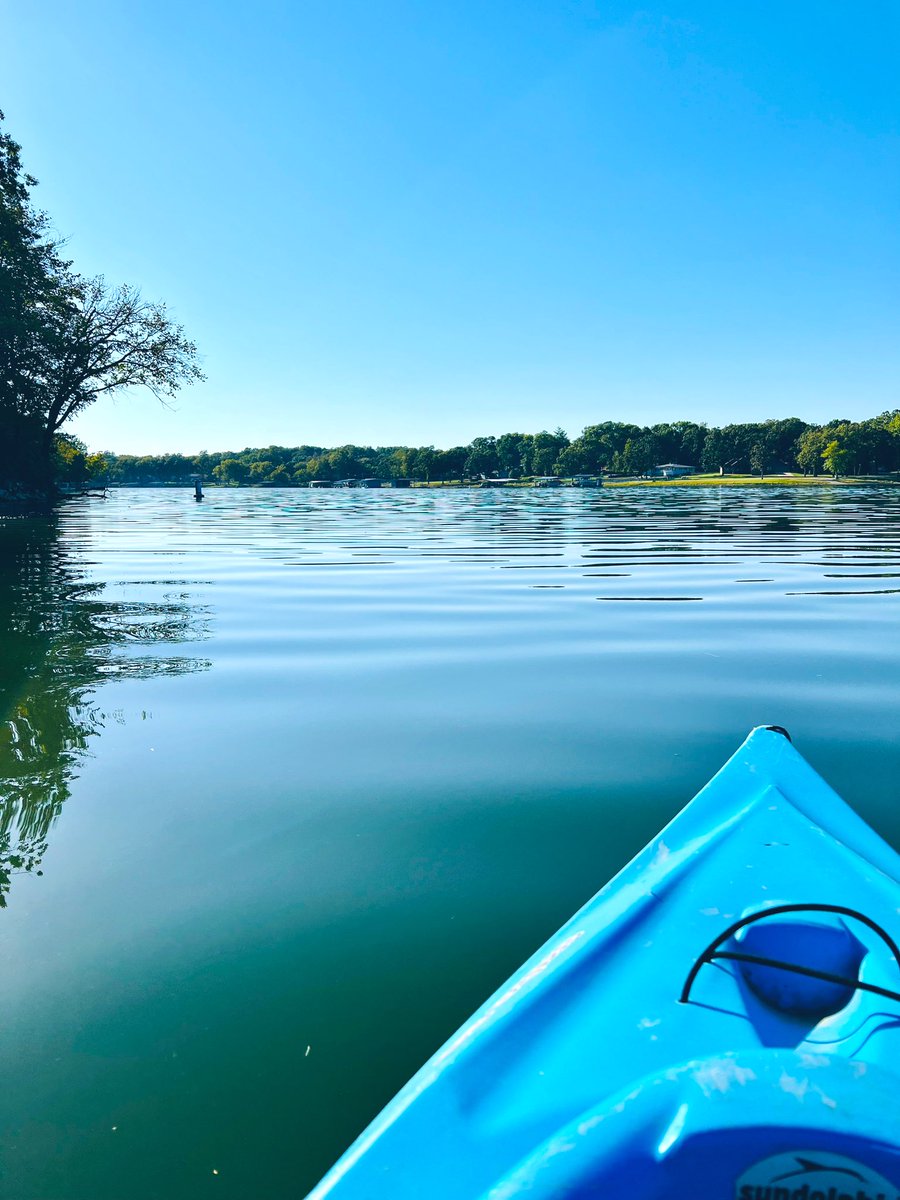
x=66, y=340
x=840, y=447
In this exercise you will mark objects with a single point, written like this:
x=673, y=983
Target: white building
x=670, y=471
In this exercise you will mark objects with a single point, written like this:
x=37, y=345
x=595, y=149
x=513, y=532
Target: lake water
x=307, y=774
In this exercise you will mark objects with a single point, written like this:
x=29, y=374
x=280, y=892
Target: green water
x=292, y=780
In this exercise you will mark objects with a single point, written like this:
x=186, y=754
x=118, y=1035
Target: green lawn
x=714, y=480
x=749, y=481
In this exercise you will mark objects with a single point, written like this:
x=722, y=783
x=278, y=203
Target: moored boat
x=721, y=1020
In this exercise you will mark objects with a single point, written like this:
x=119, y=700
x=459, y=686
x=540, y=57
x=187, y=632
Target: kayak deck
x=741, y=971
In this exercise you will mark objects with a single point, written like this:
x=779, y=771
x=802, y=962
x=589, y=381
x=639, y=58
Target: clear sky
x=416, y=221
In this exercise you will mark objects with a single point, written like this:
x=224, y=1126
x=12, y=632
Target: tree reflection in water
x=59, y=639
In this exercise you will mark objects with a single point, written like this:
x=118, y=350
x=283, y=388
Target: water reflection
x=61, y=636
x=63, y=632
x=419, y=714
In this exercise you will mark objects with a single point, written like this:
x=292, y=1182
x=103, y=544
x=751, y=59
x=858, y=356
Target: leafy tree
x=399, y=462
x=692, y=438
x=574, y=459
x=639, y=454
x=33, y=280
x=231, y=470
x=97, y=466
x=760, y=453
x=511, y=451
x=346, y=462
x=808, y=451
x=451, y=464
x=781, y=438
x=545, y=450
x=864, y=441
x=423, y=463
x=202, y=464
x=482, y=457
x=66, y=340
x=713, y=454
x=604, y=444
x=679, y=442
x=71, y=459
x=109, y=339
x=837, y=458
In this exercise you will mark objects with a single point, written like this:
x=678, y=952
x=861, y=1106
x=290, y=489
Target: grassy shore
x=717, y=480
x=714, y=480
x=14, y=501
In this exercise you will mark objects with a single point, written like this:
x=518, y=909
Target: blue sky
x=415, y=222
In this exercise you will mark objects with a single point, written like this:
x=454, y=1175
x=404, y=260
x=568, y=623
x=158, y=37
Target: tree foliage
x=864, y=447
x=109, y=339
x=33, y=279
x=65, y=339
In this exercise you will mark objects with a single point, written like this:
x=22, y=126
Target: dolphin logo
x=808, y=1167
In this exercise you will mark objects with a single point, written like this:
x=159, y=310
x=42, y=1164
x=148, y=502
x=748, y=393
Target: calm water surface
x=293, y=779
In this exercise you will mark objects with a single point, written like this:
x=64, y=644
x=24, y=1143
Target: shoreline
x=21, y=504
x=756, y=481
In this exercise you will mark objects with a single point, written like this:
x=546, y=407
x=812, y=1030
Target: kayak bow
x=722, y=1019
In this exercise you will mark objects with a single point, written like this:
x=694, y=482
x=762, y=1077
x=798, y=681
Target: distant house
x=670, y=471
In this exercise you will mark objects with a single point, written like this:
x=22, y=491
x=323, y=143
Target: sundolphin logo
x=813, y=1175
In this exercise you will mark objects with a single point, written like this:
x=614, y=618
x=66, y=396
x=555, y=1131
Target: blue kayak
x=721, y=1020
